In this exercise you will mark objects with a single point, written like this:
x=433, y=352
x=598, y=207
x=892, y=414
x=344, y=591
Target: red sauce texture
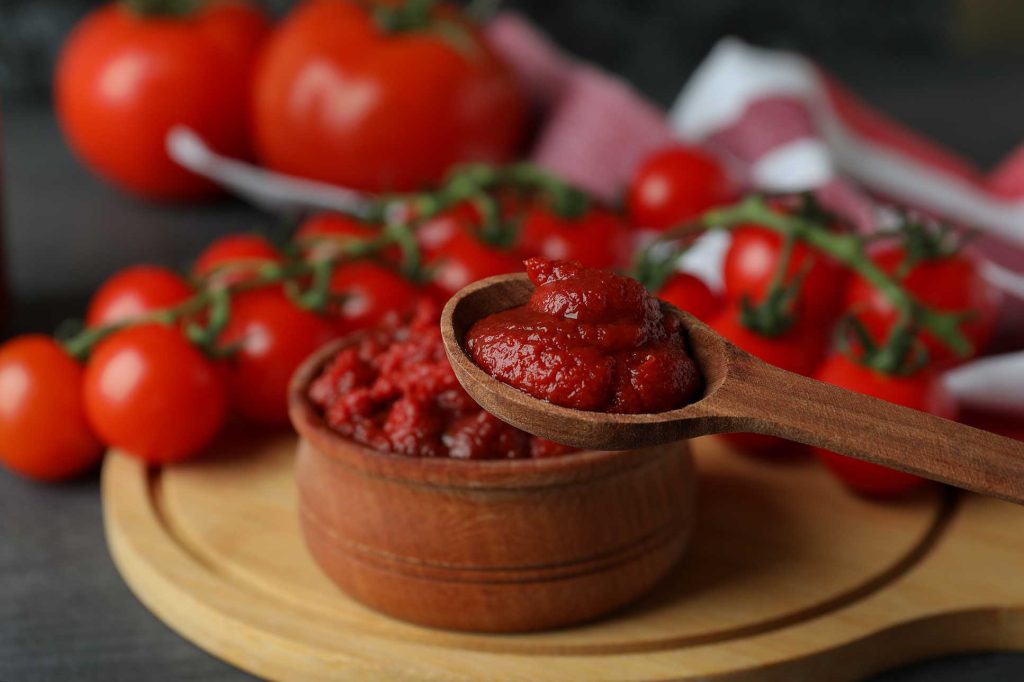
x=591, y=340
x=395, y=391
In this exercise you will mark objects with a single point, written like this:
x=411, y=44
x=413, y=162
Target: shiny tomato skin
x=951, y=283
x=274, y=337
x=751, y=262
x=234, y=258
x=372, y=292
x=123, y=81
x=675, y=185
x=597, y=239
x=920, y=391
x=338, y=100
x=800, y=350
x=136, y=291
x=153, y=395
x=690, y=293
x=44, y=433
x=326, y=234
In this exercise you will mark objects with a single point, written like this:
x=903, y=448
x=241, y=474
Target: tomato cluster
x=378, y=95
x=788, y=303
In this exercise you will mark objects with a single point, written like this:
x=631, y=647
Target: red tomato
x=372, y=292
x=920, y=391
x=675, y=185
x=339, y=100
x=952, y=283
x=799, y=350
x=323, y=235
x=751, y=262
x=134, y=292
x=124, y=80
x=464, y=258
x=234, y=258
x=152, y=394
x=691, y=294
x=597, y=239
x=275, y=337
x=44, y=433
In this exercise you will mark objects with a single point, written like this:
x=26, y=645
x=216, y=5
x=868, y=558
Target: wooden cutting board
x=789, y=576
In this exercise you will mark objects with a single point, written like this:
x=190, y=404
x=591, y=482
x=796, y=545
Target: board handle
x=771, y=401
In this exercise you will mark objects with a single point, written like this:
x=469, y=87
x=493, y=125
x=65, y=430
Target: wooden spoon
x=742, y=394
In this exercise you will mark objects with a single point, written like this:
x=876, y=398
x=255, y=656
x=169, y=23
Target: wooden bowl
x=488, y=546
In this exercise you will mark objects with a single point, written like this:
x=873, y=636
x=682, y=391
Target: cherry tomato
x=951, y=283
x=675, y=185
x=920, y=391
x=325, y=234
x=464, y=258
x=800, y=349
x=44, y=433
x=339, y=99
x=691, y=294
x=751, y=262
x=124, y=80
x=274, y=337
x=234, y=258
x=372, y=293
x=135, y=291
x=153, y=395
x=597, y=239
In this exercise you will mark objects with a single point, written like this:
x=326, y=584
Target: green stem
x=850, y=250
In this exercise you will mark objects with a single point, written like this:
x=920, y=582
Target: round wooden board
x=788, y=575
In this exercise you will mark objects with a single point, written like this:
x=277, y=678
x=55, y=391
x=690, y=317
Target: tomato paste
x=395, y=391
x=591, y=340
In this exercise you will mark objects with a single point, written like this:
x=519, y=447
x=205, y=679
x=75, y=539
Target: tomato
x=124, y=80
x=920, y=391
x=234, y=258
x=153, y=395
x=323, y=235
x=465, y=258
x=950, y=283
x=800, y=349
x=134, y=292
x=691, y=294
x=274, y=336
x=340, y=100
x=751, y=262
x=371, y=294
x=675, y=185
x=44, y=433
x=597, y=239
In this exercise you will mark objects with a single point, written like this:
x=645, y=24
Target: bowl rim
x=446, y=471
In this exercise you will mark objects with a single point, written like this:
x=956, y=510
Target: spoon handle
x=771, y=401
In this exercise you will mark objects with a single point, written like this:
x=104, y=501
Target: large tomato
x=920, y=391
x=44, y=433
x=124, y=79
x=753, y=258
x=152, y=394
x=951, y=283
x=338, y=98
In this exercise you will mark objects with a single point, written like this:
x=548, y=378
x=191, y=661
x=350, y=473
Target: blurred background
x=948, y=68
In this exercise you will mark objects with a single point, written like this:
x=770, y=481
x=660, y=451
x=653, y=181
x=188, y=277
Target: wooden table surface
x=64, y=611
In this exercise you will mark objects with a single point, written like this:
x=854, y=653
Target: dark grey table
x=65, y=614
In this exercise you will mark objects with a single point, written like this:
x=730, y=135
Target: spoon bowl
x=741, y=394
